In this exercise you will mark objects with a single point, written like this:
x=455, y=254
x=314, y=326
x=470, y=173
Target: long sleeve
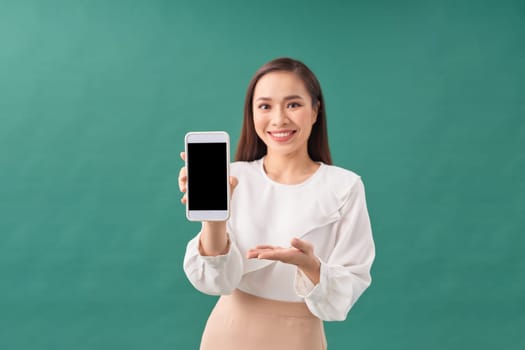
x=214, y=275
x=346, y=273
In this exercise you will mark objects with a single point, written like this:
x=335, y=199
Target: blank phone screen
x=207, y=176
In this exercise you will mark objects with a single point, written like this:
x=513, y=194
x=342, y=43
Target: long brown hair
x=251, y=147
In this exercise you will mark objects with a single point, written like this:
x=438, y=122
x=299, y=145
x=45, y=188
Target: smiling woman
x=298, y=247
x=299, y=77
x=283, y=115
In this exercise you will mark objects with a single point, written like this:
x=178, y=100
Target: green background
x=425, y=100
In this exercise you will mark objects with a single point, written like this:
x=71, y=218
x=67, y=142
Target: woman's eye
x=264, y=106
x=293, y=105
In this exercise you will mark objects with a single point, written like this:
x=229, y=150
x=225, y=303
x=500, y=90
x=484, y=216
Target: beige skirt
x=242, y=321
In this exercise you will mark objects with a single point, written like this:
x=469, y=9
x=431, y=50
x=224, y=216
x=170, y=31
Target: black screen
x=207, y=176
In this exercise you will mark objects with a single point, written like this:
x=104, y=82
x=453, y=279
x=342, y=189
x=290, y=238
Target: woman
x=298, y=248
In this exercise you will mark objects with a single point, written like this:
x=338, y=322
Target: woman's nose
x=279, y=117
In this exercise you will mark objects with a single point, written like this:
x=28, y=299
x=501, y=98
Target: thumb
x=233, y=182
x=302, y=245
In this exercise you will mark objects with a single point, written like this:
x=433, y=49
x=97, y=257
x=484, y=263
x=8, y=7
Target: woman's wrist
x=313, y=270
x=213, y=239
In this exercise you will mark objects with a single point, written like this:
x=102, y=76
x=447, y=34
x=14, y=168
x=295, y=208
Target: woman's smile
x=282, y=135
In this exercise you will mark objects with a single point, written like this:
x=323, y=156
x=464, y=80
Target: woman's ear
x=316, y=111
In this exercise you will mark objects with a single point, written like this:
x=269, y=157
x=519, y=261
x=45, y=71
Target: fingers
x=296, y=243
x=233, y=183
x=266, y=246
x=302, y=245
x=286, y=255
x=271, y=254
x=274, y=253
x=252, y=253
x=256, y=252
x=183, y=179
x=300, y=254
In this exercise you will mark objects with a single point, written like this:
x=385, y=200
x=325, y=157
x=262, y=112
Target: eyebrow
x=290, y=97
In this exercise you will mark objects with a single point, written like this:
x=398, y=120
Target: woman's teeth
x=281, y=134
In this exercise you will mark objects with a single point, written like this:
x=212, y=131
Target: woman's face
x=283, y=114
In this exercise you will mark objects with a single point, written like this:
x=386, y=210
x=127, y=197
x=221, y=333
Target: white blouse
x=328, y=210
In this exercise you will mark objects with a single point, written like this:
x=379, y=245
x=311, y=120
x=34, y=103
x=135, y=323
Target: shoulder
x=340, y=176
x=340, y=182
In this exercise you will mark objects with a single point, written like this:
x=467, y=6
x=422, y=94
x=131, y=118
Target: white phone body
x=208, y=174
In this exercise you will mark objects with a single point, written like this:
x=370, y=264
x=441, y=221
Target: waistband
x=255, y=304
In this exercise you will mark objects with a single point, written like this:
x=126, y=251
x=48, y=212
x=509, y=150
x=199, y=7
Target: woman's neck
x=289, y=170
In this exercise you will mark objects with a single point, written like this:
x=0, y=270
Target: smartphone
x=208, y=173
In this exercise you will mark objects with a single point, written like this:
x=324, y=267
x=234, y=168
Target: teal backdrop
x=425, y=100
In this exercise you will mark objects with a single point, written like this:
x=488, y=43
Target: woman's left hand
x=301, y=254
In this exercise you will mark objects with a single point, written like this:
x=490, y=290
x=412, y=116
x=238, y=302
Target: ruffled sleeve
x=345, y=274
x=214, y=275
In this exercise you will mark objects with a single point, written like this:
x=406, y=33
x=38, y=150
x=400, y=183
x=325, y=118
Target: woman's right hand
x=213, y=237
